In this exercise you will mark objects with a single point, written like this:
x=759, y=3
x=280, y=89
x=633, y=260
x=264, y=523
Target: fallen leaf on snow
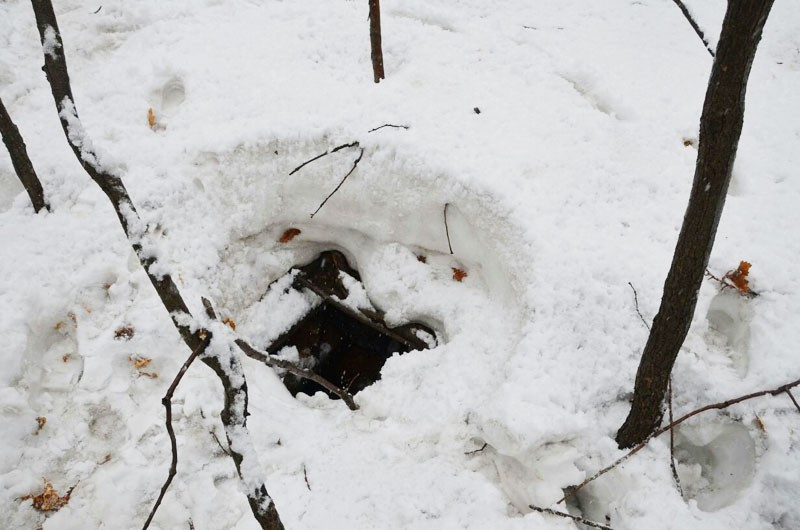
x=289, y=234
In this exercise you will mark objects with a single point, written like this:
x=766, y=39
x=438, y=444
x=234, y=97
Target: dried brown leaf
x=139, y=362
x=289, y=234
x=40, y=422
x=124, y=333
x=230, y=323
x=151, y=118
x=49, y=500
x=459, y=274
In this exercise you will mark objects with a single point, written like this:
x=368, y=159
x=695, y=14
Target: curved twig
x=570, y=516
x=167, y=402
x=721, y=405
x=340, y=183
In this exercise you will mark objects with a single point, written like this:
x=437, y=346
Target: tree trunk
x=20, y=160
x=228, y=368
x=720, y=128
x=375, y=39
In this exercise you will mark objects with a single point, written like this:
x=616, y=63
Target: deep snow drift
x=569, y=183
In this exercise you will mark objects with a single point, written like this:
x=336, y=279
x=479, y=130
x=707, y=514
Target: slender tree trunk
x=20, y=160
x=720, y=128
x=375, y=39
x=228, y=368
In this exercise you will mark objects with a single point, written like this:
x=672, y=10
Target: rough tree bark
x=228, y=368
x=375, y=39
x=720, y=128
x=20, y=160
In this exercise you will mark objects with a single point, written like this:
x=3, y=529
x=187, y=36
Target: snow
x=570, y=183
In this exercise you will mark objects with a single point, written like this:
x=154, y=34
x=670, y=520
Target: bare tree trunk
x=375, y=39
x=228, y=368
x=720, y=128
x=20, y=160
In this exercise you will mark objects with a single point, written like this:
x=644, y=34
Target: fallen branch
x=293, y=369
x=714, y=406
x=446, y=228
x=375, y=40
x=228, y=369
x=389, y=125
x=694, y=25
x=20, y=160
x=340, y=183
x=569, y=516
x=167, y=402
x=328, y=152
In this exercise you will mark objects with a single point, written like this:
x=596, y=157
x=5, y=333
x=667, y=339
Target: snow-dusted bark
x=223, y=361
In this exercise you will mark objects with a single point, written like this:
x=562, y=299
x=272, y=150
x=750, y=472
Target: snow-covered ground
x=570, y=183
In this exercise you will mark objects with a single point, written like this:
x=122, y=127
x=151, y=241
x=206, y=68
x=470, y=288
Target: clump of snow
x=50, y=42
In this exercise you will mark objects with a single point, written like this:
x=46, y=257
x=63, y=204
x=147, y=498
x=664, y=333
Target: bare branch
x=569, y=516
x=375, y=40
x=694, y=25
x=714, y=406
x=296, y=370
x=636, y=303
x=328, y=152
x=167, y=402
x=20, y=160
x=446, y=228
x=789, y=393
x=234, y=412
x=340, y=183
x=389, y=125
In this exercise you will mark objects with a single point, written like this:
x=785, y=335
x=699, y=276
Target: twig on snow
x=167, y=402
x=446, y=228
x=305, y=477
x=793, y=399
x=636, y=304
x=98, y=10
x=328, y=152
x=672, y=440
x=389, y=125
x=718, y=406
x=575, y=518
x=340, y=183
x=481, y=448
x=695, y=27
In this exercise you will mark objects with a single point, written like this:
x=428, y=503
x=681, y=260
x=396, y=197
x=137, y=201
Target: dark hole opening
x=348, y=347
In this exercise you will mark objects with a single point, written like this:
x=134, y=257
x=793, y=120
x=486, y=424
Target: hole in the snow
x=342, y=338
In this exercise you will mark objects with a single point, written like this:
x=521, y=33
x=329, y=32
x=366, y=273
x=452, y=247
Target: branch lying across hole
x=328, y=152
x=714, y=406
x=355, y=164
x=569, y=516
x=292, y=368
